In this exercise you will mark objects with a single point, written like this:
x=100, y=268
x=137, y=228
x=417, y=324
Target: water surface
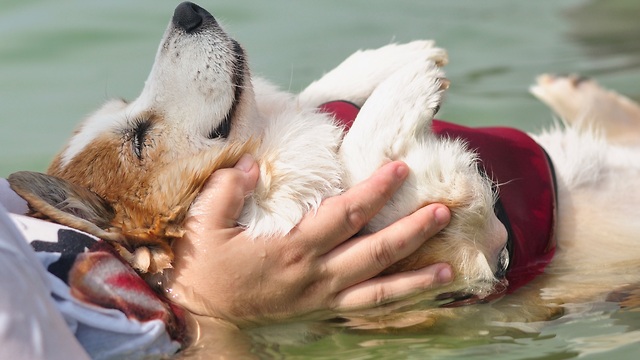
x=60, y=60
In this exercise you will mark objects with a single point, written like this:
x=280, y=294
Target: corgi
x=131, y=171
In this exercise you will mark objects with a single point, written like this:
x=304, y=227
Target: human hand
x=316, y=271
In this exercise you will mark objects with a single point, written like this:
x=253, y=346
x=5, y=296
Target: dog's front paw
x=417, y=91
x=361, y=73
x=396, y=117
x=378, y=64
x=405, y=103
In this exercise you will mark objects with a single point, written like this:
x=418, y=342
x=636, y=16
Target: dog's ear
x=54, y=198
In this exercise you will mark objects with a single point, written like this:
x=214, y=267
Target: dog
x=131, y=171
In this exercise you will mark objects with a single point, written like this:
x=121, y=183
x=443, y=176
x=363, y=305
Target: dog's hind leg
x=356, y=77
x=580, y=101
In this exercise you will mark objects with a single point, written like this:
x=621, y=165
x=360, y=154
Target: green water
x=60, y=59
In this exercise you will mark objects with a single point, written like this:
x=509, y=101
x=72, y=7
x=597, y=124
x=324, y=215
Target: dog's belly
x=598, y=212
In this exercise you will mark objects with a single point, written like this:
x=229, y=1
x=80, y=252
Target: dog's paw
x=580, y=101
x=356, y=77
x=407, y=101
x=419, y=87
x=396, y=117
x=569, y=97
x=383, y=62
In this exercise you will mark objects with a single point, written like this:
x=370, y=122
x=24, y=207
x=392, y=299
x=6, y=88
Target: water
x=60, y=60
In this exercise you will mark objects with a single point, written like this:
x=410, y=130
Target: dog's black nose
x=189, y=16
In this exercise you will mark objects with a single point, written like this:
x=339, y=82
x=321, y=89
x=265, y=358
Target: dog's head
x=198, y=89
x=119, y=165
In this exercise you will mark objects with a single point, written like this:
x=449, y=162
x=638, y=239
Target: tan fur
x=149, y=204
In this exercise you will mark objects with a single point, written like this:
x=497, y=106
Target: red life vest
x=527, y=197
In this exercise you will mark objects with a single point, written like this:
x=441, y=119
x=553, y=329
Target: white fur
x=290, y=134
x=104, y=120
x=598, y=196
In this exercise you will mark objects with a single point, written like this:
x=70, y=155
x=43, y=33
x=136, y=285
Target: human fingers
x=221, y=200
x=340, y=217
x=386, y=289
x=366, y=256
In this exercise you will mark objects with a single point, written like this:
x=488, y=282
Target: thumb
x=220, y=203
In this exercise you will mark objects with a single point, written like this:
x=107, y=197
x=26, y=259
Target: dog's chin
x=467, y=297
